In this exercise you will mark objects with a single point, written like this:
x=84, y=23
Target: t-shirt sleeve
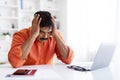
x=70, y=57
x=15, y=53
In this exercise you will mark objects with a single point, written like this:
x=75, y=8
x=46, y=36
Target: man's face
x=45, y=33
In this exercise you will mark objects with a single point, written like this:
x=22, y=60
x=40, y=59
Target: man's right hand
x=35, y=29
x=36, y=25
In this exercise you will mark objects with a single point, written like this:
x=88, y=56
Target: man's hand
x=54, y=27
x=36, y=25
x=26, y=46
x=62, y=48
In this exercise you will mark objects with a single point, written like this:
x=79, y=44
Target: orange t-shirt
x=40, y=53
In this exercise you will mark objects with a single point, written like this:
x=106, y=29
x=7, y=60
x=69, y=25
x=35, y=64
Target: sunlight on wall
x=90, y=22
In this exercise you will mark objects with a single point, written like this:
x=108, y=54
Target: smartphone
x=21, y=72
x=77, y=68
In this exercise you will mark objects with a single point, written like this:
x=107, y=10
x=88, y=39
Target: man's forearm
x=27, y=46
x=61, y=47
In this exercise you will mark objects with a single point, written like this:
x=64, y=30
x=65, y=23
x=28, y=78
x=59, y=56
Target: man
x=39, y=43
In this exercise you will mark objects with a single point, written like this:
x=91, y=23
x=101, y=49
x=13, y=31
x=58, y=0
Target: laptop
x=102, y=59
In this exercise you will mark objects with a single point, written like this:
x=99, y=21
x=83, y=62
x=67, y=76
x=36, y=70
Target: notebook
x=102, y=59
x=23, y=72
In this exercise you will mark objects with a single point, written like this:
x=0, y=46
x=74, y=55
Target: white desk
x=60, y=72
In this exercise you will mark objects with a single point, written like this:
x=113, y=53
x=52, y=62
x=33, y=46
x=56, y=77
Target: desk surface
x=61, y=72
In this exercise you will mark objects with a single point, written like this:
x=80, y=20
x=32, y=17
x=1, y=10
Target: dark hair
x=46, y=19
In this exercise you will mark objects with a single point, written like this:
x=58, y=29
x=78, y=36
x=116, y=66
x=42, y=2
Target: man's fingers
x=53, y=20
x=39, y=21
x=54, y=23
x=36, y=19
x=38, y=16
x=35, y=16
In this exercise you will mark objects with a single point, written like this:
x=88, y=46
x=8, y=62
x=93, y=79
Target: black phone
x=78, y=68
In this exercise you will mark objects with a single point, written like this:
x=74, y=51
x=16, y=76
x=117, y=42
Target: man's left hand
x=54, y=29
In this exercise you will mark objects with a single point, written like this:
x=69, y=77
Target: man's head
x=46, y=25
x=46, y=18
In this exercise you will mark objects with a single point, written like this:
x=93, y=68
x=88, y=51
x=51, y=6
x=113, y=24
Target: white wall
x=63, y=17
x=117, y=34
x=77, y=25
x=90, y=22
